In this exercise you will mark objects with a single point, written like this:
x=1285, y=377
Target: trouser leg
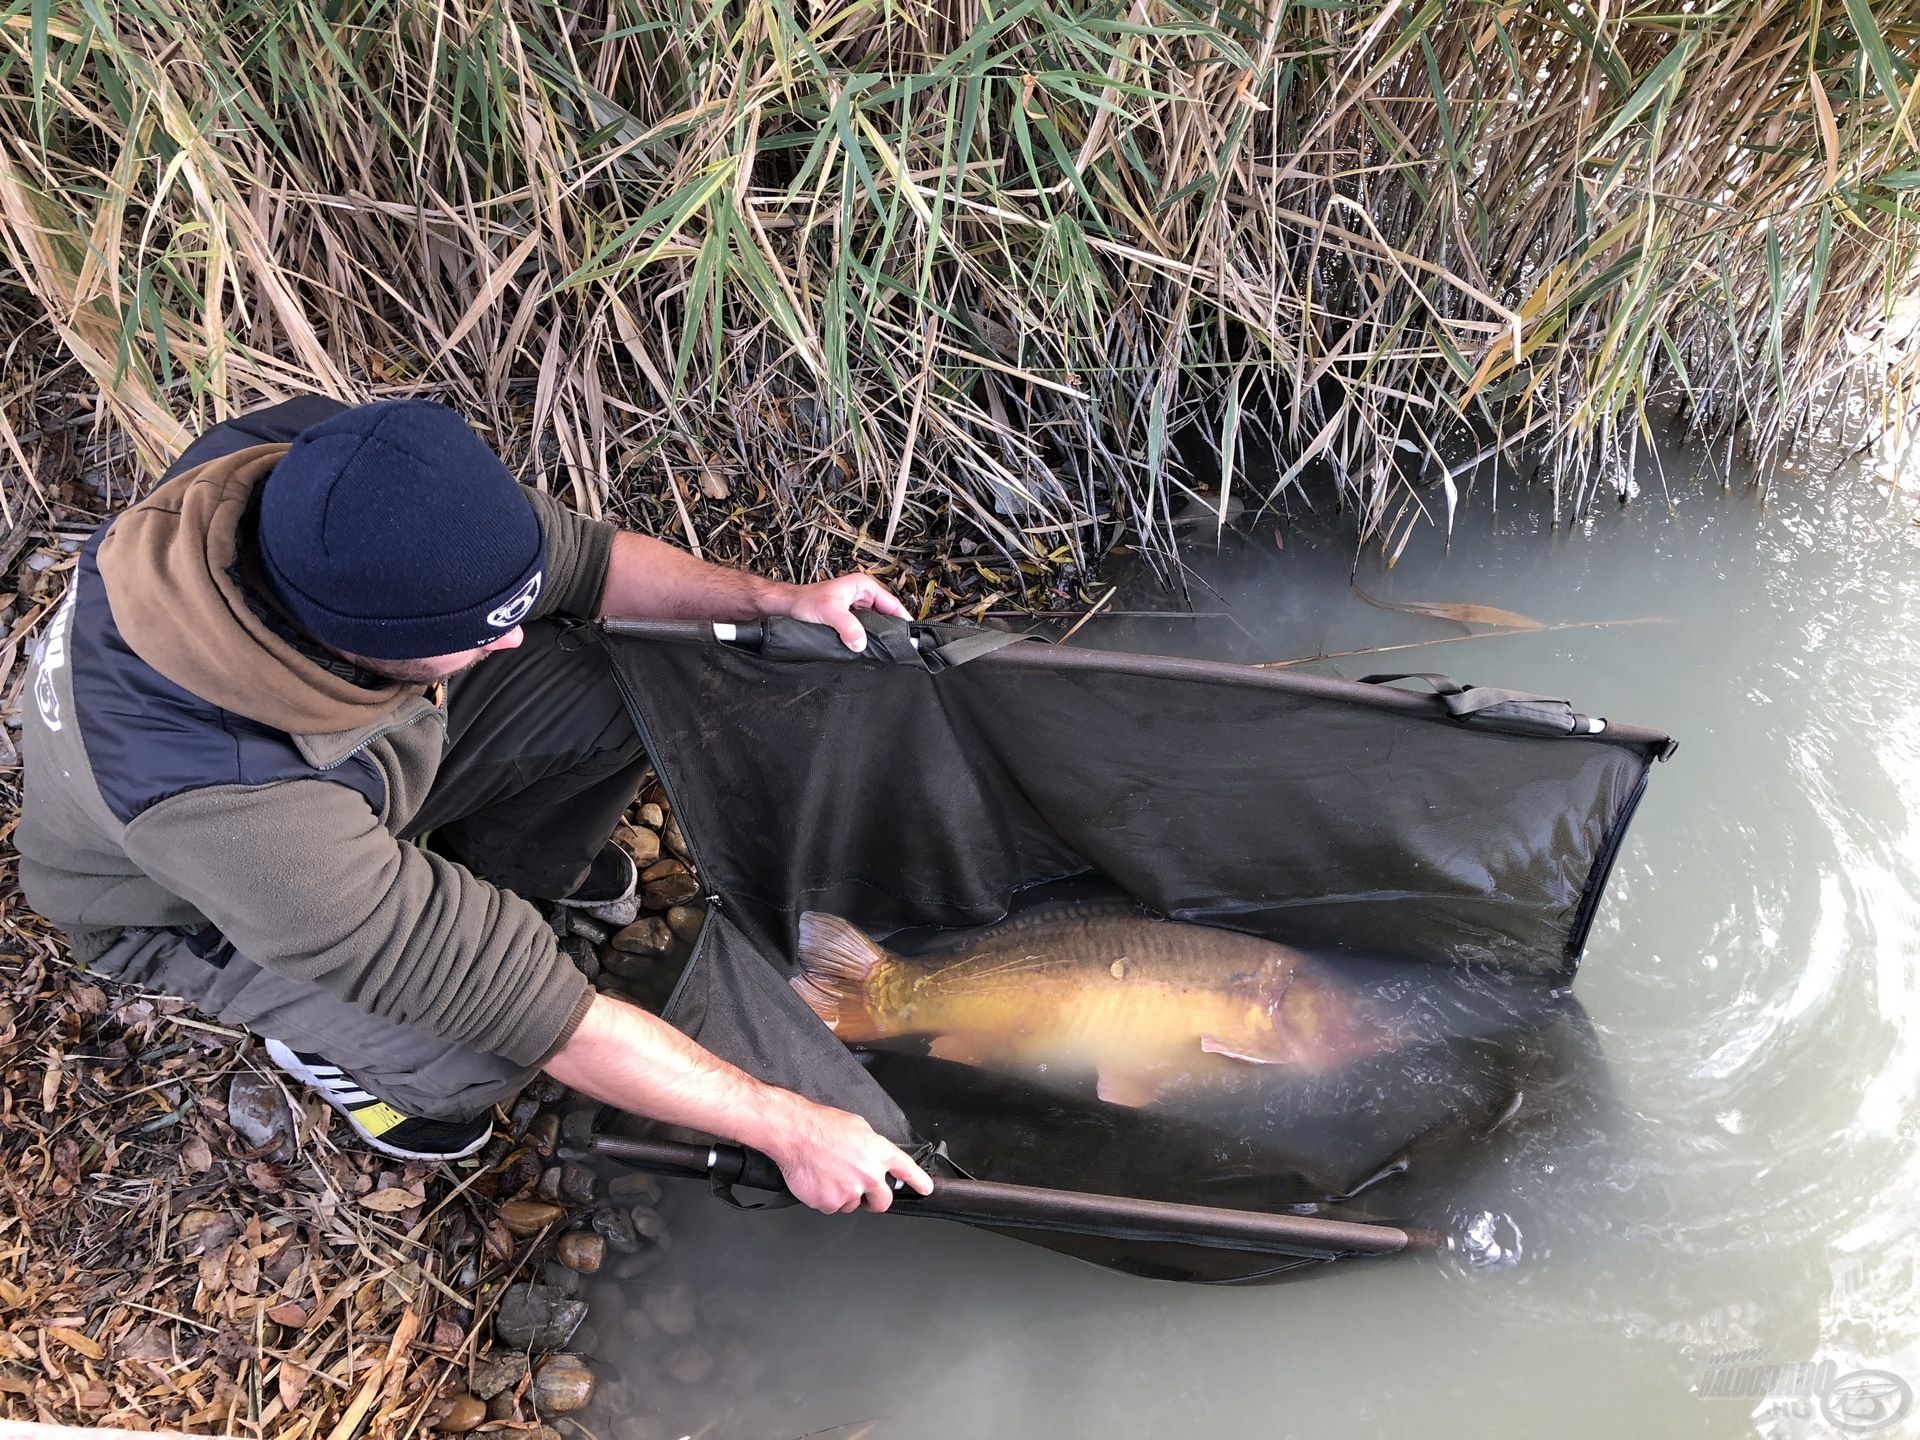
x=542, y=760
x=411, y=1070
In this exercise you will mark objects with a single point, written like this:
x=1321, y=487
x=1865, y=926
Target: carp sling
x=945, y=777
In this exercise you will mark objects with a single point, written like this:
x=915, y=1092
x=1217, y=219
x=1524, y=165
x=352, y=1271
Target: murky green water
x=1748, y=1192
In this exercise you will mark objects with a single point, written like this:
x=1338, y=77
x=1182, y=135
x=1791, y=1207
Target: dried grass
x=884, y=281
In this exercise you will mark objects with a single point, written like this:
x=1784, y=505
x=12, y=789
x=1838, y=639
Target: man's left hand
x=832, y=602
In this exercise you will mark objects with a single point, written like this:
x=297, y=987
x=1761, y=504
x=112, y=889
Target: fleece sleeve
x=303, y=879
x=577, y=553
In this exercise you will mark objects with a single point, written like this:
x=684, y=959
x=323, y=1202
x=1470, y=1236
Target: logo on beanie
x=515, y=610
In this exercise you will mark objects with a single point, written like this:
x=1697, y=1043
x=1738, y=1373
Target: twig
x=1455, y=639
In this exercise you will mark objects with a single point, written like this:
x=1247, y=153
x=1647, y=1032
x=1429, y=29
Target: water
x=1746, y=1186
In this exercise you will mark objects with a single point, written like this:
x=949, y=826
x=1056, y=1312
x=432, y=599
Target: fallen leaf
x=1460, y=612
x=293, y=1380
x=392, y=1202
x=265, y=1178
x=74, y=1340
x=196, y=1156
x=289, y=1313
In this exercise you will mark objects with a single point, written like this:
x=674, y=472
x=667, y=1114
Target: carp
x=1149, y=1005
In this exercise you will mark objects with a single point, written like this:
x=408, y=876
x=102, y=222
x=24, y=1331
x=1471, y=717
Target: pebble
x=583, y=952
x=686, y=920
x=547, y=1090
x=529, y=1217
x=560, y=1277
x=524, y=1112
x=503, y=1407
x=627, y=965
x=690, y=1364
x=642, y=844
x=520, y=1172
x=633, y=1188
x=671, y=1308
x=460, y=1414
x=638, y=1326
x=668, y=891
x=578, y=1184
x=632, y=1267
x=660, y=869
x=561, y=1385
x=496, y=1371
x=537, y=1317
x=648, y=1223
x=576, y=1129
x=591, y=931
x=549, y=1186
x=616, y=913
x=675, y=841
x=651, y=936
x=616, y=1229
x=582, y=1251
x=652, y=816
x=544, y=1432
x=258, y=1110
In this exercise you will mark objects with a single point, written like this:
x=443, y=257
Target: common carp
x=1149, y=1005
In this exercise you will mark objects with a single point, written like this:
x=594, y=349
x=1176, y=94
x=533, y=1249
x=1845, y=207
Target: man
x=267, y=772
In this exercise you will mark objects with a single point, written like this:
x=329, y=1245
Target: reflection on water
x=1715, y=1152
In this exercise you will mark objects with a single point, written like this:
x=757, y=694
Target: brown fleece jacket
x=300, y=874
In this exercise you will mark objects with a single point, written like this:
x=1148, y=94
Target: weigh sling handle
x=1030, y=1207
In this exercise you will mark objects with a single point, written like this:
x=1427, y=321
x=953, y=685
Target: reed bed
x=936, y=287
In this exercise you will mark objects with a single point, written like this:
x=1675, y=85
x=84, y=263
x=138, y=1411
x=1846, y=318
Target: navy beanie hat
x=393, y=531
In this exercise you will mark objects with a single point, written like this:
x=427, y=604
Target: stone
x=560, y=1277
x=586, y=1340
x=616, y=1229
x=652, y=816
x=637, y=1326
x=615, y=913
x=690, y=1364
x=650, y=936
x=576, y=1127
x=524, y=1112
x=668, y=891
x=685, y=921
x=258, y=1110
x=674, y=840
x=648, y=1224
x=460, y=1414
x=632, y=1267
x=544, y=1133
x=636, y=1187
x=547, y=1090
x=640, y=1427
x=498, y=1370
x=549, y=1186
x=582, y=1251
x=578, y=1184
x=628, y=968
x=541, y=1432
x=671, y=1307
x=584, y=952
x=504, y=1406
x=529, y=1217
x=562, y=1385
x=660, y=869
x=521, y=1172
x=592, y=931
x=642, y=844
x=537, y=1317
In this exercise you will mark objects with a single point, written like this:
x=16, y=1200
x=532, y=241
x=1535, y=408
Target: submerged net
x=1441, y=856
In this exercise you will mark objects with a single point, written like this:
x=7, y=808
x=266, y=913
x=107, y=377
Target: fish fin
x=837, y=968
x=958, y=1048
x=1131, y=1088
x=1218, y=1047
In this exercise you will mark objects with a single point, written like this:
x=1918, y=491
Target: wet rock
x=460, y=1414
x=578, y=1184
x=258, y=1110
x=685, y=921
x=671, y=1307
x=652, y=816
x=640, y=1427
x=634, y=1188
x=547, y=1090
x=668, y=891
x=674, y=840
x=641, y=843
x=549, y=1187
x=638, y=1327
x=582, y=1251
x=651, y=936
x=584, y=952
x=632, y=1267
x=496, y=1371
x=530, y=1217
x=560, y=1277
x=541, y=1432
x=537, y=1317
x=576, y=1129
x=504, y=1406
x=616, y=1229
x=615, y=913
x=628, y=968
x=592, y=931
x=524, y=1112
x=690, y=1364
x=562, y=1385
x=660, y=869
x=544, y=1133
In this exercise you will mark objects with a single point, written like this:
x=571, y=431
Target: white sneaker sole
x=338, y=1089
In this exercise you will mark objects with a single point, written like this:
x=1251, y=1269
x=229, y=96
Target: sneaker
x=405, y=1137
x=612, y=878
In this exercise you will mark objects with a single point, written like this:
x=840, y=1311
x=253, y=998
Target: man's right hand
x=836, y=1162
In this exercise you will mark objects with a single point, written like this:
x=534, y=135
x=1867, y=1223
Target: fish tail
x=838, y=967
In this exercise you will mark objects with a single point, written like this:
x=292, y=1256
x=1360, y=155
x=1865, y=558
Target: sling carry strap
x=1513, y=712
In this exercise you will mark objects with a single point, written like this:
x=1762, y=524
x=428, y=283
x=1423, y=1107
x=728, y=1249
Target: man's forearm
x=648, y=579
x=624, y=1056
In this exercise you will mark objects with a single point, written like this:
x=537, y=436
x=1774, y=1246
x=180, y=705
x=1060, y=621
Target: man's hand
x=835, y=1161
x=832, y=602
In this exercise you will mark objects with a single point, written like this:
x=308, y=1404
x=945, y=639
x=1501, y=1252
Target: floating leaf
x=1460, y=612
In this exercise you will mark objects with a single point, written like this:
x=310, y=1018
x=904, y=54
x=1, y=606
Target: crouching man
x=264, y=691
